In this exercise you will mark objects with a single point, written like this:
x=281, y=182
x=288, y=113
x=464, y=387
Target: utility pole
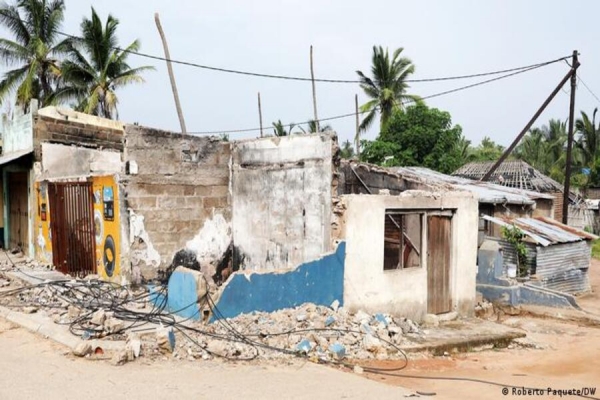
x=569, y=75
x=260, y=115
x=314, y=89
x=357, y=137
x=171, y=75
x=567, y=189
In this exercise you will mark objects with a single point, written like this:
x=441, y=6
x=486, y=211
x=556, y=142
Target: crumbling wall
x=62, y=161
x=63, y=126
x=282, y=200
x=176, y=187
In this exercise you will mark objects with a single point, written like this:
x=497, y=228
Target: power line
x=588, y=88
x=364, y=112
x=303, y=79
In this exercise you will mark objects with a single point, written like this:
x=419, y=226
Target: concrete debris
x=358, y=370
x=30, y=310
x=431, y=321
x=335, y=305
x=371, y=343
x=119, y=358
x=337, y=335
x=134, y=344
x=165, y=338
x=338, y=351
x=485, y=310
x=82, y=349
x=98, y=317
x=113, y=325
x=73, y=312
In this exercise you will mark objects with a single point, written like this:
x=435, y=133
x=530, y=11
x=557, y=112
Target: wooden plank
x=438, y=264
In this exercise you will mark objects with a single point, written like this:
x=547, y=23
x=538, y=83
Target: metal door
x=438, y=264
x=72, y=224
x=18, y=220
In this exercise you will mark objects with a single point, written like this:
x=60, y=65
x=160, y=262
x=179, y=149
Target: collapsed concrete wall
x=282, y=200
x=406, y=291
x=177, y=187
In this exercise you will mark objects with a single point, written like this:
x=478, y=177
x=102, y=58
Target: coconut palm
x=347, y=150
x=312, y=127
x=387, y=87
x=35, y=50
x=589, y=138
x=96, y=68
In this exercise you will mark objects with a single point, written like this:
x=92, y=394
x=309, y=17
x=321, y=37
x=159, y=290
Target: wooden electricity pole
x=314, y=89
x=567, y=188
x=260, y=115
x=357, y=138
x=171, y=75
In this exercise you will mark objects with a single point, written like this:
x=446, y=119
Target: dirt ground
x=591, y=302
x=36, y=368
x=560, y=355
x=568, y=357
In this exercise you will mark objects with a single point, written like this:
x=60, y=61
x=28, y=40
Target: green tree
x=417, y=136
x=588, y=143
x=312, y=127
x=347, y=151
x=96, y=69
x=35, y=50
x=488, y=150
x=279, y=129
x=387, y=87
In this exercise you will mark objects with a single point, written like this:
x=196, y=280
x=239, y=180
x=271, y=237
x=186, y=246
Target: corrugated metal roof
x=487, y=192
x=544, y=231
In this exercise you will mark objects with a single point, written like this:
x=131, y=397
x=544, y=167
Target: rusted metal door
x=18, y=205
x=72, y=221
x=438, y=264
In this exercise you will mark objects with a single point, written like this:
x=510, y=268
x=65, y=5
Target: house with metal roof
x=558, y=256
x=519, y=175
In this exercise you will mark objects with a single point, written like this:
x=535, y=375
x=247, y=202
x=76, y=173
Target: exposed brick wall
x=181, y=182
x=69, y=132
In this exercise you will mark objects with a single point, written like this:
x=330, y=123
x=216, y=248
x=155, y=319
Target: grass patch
x=596, y=249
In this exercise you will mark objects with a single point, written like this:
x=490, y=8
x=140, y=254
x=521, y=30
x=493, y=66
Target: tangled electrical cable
x=93, y=295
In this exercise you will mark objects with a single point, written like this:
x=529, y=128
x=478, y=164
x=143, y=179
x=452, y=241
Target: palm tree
x=387, y=88
x=36, y=49
x=589, y=138
x=347, y=151
x=463, y=148
x=96, y=68
x=312, y=127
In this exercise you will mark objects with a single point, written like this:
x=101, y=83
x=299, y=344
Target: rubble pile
x=325, y=333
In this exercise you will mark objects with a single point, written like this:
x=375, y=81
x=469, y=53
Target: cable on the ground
x=93, y=295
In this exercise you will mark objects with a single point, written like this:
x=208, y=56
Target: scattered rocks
x=82, y=349
x=98, y=317
x=113, y=325
x=358, y=370
x=337, y=335
x=119, y=358
x=431, y=321
x=165, y=338
x=485, y=310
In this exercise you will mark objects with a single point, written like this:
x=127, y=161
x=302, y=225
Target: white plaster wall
x=404, y=292
x=281, y=200
x=60, y=161
x=17, y=134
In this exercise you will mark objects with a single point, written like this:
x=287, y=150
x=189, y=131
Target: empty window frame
x=402, y=240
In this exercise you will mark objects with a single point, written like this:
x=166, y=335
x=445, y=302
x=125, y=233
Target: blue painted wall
x=183, y=294
x=320, y=282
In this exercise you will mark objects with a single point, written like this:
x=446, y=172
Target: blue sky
x=441, y=37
